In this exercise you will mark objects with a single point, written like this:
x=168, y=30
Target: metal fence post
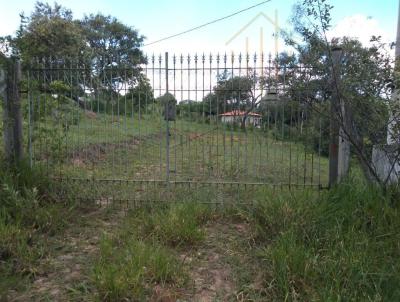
x=12, y=116
x=344, y=143
x=334, y=121
x=167, y=120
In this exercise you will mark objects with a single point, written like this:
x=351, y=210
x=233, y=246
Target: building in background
x=237, y=116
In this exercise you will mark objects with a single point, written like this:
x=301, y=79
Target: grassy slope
x=105, y=146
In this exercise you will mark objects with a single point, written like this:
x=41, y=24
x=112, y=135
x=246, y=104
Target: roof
x=240, y=113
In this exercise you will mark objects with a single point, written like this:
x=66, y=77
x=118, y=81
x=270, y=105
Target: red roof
x=239, y=113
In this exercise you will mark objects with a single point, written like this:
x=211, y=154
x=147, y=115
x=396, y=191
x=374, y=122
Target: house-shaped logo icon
x=273, y=22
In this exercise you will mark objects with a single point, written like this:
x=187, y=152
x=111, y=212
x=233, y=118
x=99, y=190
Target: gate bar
x=167, y=113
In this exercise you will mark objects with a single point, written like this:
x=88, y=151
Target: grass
x=175, y=226
x=27, y=215
x=141, y=255
x=129, y=271
x=341, y=246
x=134, y=147
x=337, y=245
x=131, y=150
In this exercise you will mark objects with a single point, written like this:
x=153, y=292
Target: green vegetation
x=139, y=255
x=119, y=146
x=130, y=269
x=336, y=245
x=176, y=225
x=135, y=220
x=28, y=214
x=341, y=246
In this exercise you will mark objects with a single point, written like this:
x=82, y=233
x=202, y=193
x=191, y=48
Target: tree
x=234, y=93
x=362, y=84
x=114, y=50
x=141, y=95
x=49, y=31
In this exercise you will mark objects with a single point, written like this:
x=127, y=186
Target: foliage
x=136, y=99
x=140, y=95
x=109, y=39
x=114, y=51
x=364, y=89
x=193, y=110
x=231, y=92
x=48, y=31
x=50, y=35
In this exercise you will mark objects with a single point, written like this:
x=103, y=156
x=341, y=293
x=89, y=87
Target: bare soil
x=62, y=274
x=212, y=266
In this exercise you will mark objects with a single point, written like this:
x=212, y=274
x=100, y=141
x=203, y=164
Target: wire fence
x=205, y=126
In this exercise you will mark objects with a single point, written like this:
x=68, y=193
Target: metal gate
x=212, y=128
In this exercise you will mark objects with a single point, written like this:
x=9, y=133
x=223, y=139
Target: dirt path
x=215, y=267
x=215, y=264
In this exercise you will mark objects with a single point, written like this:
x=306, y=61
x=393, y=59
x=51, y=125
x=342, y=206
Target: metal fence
x=214, y=128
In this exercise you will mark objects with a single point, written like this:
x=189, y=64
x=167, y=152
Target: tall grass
x=174, y=225
x=129, y=271
x=341, y=246
x=26, y=213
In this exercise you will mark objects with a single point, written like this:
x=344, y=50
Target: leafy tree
x=49, y=31
x=363, y=90
x=141, y=95
x=114, y=50
x=191, y=109
x=234, y=93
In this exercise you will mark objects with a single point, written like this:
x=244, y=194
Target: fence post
x=344, y=143
x=334, y=118
x=12, y=115
x=167, y=119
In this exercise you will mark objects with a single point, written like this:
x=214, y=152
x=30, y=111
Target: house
x=237, y=116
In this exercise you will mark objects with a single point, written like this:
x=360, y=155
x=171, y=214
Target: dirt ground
x=215, y=267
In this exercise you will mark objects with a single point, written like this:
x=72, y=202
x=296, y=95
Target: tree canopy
x=52, y=31
x=49, y=31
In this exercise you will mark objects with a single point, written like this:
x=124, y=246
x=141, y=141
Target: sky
x=157, y=19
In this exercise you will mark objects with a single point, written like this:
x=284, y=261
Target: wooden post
x=334, y=118
x=12, y=116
